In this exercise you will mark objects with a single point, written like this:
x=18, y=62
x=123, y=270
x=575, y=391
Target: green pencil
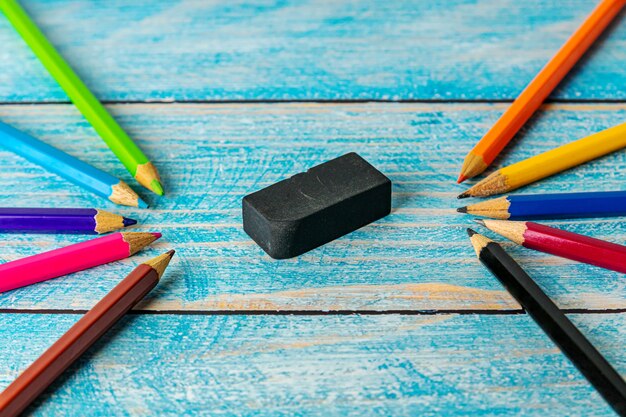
x=109, y=130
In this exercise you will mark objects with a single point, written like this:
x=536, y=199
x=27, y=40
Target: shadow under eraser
x=315, y=207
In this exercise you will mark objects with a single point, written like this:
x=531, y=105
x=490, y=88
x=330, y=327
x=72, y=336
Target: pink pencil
x=74, y=258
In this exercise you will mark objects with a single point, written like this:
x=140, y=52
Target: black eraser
x=315, y=207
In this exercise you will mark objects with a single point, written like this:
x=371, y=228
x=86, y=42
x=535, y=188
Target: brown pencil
x=41, y=373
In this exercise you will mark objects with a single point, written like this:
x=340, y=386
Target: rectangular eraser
x=315, y=207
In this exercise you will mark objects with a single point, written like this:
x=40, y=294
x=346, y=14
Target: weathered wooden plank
x=334, y=365
x=312, y=50
x=418, y=258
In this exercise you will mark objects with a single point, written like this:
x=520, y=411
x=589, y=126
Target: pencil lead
x=463, y=195
x=462, y=210
x=156, y=187
x=461, y=178
x=141, y=203
x=479, y=221
x=471, y=232
x=121, y=193
x=129, y=222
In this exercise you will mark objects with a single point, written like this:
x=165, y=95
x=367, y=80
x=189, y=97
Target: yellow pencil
x=550, y=163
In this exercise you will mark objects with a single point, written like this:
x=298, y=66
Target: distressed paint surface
x=317, y=366
x=214, y=154
x=191, y=361
x=309, y=50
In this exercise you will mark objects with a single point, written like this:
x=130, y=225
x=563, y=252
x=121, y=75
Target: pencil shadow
x=503, y=158
x=399, y=200
x=83, y=361
x=592, y=53
x=86, y=359
x=174, y=274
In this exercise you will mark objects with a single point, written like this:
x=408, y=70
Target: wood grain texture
x=214, y=154
x=311, y=50
x=272, y=365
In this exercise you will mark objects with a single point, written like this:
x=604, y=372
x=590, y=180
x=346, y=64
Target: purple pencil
x=61, y=221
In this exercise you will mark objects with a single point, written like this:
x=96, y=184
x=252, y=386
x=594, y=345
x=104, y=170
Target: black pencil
x=554, y=323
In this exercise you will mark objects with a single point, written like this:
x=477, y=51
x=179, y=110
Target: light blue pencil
x=68, y=167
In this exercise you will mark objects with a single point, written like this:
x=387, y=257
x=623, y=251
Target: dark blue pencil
x=551, y=206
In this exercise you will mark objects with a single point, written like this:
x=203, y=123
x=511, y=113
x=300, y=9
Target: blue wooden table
x=398, y=318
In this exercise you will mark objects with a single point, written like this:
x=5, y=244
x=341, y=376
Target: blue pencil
x=552, y=206
x=68, y=167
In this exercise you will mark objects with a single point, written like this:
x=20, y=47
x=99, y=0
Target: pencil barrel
x=78, y=339
x=567, y=205
x=56, y=161
x=575, y=247
x=63, y=261
x=76, y=221
x=557, y=326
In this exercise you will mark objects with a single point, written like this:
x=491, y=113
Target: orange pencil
x=539, y=88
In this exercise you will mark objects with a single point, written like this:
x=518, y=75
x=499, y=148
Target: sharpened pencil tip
x=157, y=235
x=156, y=186
x=461, y=178
x=471, y=232
x=479, y=221
x=463, y=195
x=129, y=222
x=161, y=262
x=462, y=210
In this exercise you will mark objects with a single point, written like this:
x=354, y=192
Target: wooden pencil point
x=461, y=209
x=496, y=208
x=148, y=176
x=107, y=222
x=495, y=183
x=463, y=195
x=124, y=195
x=478, y=241
x=471, y=232
x=472, y=166
x=160, y=263
x=514, y=231
x=480, y=222
x=139, y=240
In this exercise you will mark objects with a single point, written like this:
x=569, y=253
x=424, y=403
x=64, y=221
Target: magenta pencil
x=73, y=258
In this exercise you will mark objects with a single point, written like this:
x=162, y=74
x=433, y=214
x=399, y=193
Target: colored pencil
x=550, y=162
x=81, y=336
x=552, y=321
x=527, y=103
x=551, y=206
x=73, y=258
x=68, y=167
x=561, y=243
x=109, y=130
x=58, y=221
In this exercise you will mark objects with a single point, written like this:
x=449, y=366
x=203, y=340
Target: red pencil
x=74, y=258
x=561, y=243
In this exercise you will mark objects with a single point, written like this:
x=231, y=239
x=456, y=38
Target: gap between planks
x=313, y=101
x=487, y=312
